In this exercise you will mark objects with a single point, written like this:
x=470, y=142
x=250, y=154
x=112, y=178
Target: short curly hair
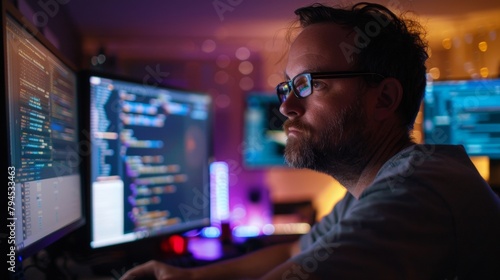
x=386, y=44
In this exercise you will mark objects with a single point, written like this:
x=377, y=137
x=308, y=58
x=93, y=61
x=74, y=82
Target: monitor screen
x=264, y=138
x=149, y=162
x=45, y=193
x=465, y=112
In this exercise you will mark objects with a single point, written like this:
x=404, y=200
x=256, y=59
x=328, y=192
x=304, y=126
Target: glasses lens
x=283, y=90
x=302, y=85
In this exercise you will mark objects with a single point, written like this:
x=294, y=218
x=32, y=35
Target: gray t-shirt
x=427, y=215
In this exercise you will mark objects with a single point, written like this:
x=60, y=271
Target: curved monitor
x=149, y=160
x=42, y=144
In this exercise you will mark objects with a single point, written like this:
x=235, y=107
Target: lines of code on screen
x=464, y=112
x=150, y=151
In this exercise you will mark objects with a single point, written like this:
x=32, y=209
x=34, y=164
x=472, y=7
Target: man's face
x=326, y=130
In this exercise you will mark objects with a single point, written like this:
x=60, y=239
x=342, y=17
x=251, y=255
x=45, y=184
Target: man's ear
x=390, y=93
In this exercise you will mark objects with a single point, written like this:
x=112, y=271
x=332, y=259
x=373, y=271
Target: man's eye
x=318, y=85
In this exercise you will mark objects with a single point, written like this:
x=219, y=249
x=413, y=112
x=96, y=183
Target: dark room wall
x=54, y=22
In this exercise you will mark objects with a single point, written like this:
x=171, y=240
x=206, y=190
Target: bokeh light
x=242, y=53
x=483, y=46
x=484, y=72
x=447, y=43
x=245, y=67
x=208, y=46
x=435, y=73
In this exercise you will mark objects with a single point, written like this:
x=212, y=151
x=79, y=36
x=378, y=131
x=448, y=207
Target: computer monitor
x=465, y=112
x=264, y=138
x=149, y=160
x=41, y=139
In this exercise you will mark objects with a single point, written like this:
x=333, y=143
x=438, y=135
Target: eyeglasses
x=302, y=87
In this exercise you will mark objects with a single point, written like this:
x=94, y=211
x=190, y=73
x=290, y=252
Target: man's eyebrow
x=308, y=70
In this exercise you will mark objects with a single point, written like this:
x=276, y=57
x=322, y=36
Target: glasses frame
x=283, y=96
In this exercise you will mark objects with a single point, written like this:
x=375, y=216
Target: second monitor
x=149, y=163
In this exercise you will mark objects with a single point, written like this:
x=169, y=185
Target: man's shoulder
x=436, y=177
x=434, y=166
x=425, y=156
x=434, y=174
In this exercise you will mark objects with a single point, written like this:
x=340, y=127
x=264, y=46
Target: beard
x=340, y=150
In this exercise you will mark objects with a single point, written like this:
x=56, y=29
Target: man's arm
x=253, y=265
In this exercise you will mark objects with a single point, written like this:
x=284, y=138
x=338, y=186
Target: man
x=355, y=80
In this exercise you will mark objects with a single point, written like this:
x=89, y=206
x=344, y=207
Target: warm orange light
x=327, y=198
x=435, y=73
x=447, y=43
x=484, y=72
x=417, y=136
x=482, y=164
x=483, y=46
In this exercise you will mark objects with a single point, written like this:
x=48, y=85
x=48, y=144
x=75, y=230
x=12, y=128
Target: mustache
x=296, y=124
